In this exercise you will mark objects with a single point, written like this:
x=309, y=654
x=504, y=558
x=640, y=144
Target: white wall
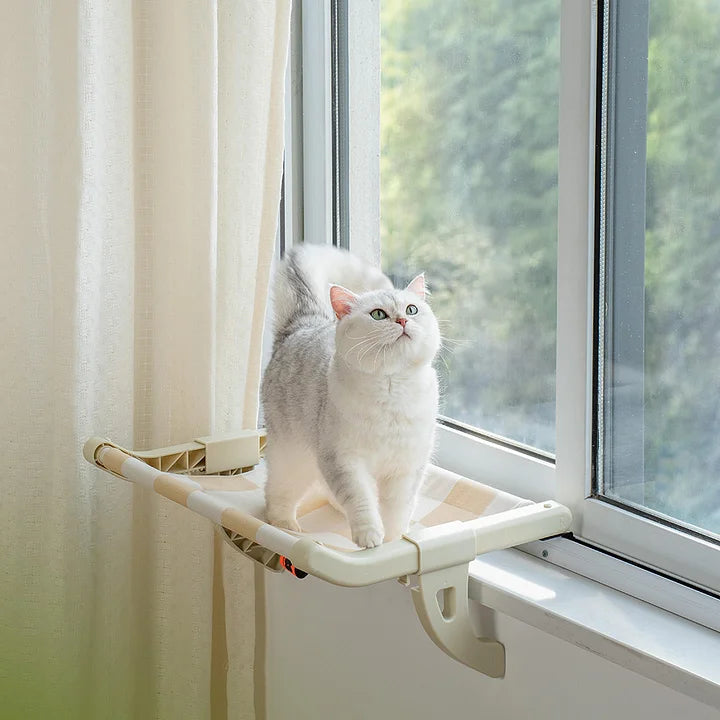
x=361, y=654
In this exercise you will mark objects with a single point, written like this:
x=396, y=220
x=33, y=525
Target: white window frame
x=310, y=208
x=663, y=548
x=669, y=551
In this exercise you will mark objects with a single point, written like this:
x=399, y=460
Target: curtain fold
x=140, y=162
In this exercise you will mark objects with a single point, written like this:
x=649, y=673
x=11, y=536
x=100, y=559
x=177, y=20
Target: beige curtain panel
x=140, y=161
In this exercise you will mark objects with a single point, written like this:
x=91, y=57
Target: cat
x=349, y=394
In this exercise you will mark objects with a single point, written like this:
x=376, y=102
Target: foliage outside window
x=469, y=109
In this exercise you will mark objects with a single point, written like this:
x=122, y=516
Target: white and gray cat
x=350, y=394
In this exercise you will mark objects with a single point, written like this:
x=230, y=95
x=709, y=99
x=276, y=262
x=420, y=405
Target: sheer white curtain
x=140, y=166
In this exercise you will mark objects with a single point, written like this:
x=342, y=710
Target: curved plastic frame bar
x=438, y=556
x=216, y=455
x=428, y=549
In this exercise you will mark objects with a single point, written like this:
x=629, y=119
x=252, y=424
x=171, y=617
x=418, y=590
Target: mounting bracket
x=440, y=596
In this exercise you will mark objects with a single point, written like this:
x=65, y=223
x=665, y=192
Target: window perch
x=455, y=520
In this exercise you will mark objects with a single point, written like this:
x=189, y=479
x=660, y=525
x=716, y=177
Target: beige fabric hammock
x=237, y=503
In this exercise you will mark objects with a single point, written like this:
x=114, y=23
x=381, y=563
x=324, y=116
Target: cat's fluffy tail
x=302, y=284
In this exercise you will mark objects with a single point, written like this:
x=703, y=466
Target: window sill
x=638, y=636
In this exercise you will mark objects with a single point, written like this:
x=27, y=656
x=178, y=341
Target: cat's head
x=385, y=331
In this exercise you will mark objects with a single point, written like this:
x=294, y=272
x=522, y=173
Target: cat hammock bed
x=455, y=520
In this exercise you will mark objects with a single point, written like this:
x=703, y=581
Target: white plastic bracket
x=236, y=450
x=444, y=555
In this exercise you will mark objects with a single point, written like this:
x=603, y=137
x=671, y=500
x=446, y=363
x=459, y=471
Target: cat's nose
x=402, y=321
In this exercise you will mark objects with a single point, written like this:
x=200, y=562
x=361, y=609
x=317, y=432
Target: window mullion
x=317, y=149
x=576, y=169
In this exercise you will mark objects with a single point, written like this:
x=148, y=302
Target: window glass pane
x=469, y=195
x=660, y=398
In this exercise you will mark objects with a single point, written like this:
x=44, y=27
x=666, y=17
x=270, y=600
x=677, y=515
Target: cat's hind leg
x=290, y=474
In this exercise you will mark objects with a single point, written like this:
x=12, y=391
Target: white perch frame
x=438, y=557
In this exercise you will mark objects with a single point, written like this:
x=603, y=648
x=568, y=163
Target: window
x=659, y=351
x=636, y=458
x=468, y=193
x=542, y=161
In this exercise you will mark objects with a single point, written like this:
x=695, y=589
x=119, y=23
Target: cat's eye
x=378, y=314
x=411, y=310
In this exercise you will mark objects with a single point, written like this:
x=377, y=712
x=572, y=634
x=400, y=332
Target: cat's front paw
x=367, y=536
x=283, y=521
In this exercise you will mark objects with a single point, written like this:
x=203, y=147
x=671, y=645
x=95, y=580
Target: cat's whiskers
x=363, y=340
x=363, y=352
x=368, y=350
x=367, y=338
x=369, y=341
x=377, y=355
x=444, y=362
x=446, y=342
x=373, y=333
x=444, y=348
x=357, y=345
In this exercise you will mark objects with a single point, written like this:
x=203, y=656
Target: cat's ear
x=342, y=300
x=417, y=286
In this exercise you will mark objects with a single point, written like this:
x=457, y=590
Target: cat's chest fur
x=388, y=421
